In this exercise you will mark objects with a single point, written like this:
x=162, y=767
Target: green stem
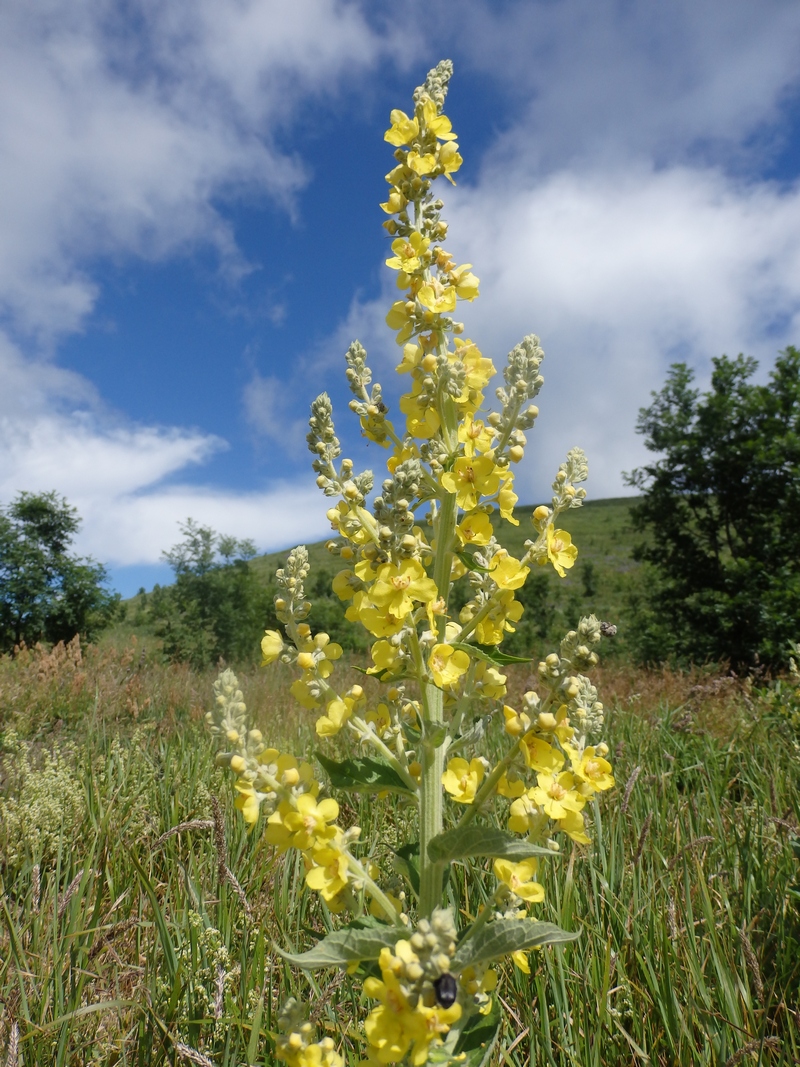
x=445, y=535
x=374, y=890
x=487, y=789
x=431, y=808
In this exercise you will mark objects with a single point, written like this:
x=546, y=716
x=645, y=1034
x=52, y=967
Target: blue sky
x=189, y=201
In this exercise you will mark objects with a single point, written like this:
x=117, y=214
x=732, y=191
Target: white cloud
x=605, y=80
x=622, y=274
x=120, y=127
x=116, y=141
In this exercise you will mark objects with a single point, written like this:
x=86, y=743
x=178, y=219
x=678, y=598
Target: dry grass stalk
x=223, y=870
x=36, y=888
x=12, y=1055
x=193, y=824
x=756, y=1045
x=672, y=923
x=105, y=941
x=752, y=963
x=185, y=1052
x=629, y=788
x=69, y=893
x=219, y=996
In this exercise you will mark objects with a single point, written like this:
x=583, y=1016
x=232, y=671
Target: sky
x=191, y=234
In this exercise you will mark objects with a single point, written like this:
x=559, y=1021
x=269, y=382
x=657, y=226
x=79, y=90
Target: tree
x=217, y=607
x=47, y=594
x=722, y=512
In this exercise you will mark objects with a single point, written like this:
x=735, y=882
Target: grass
x=124, y=941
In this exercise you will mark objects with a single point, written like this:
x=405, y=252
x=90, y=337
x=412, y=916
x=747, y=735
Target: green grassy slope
x=598, y=582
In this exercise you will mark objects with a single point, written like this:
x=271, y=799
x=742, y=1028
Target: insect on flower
x=446, y=989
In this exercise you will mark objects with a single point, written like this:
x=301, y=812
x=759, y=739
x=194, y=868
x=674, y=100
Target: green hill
x=598, y=583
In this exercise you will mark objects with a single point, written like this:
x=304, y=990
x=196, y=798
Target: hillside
x=598, y=582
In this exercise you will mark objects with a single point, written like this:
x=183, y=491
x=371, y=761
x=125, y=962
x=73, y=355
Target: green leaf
x=481, y=841
x=477, y=1040
x=504, y=936
x=469, y=562
x=407, y=862
x=490, y=654
x=363, y=775
x=350, y=945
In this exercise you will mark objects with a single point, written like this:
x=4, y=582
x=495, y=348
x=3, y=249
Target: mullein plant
x=426, y=962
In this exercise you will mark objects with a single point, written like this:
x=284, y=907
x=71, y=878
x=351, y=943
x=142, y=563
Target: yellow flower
x=450, y=161
x=412, y=357
x=271, y=647
x=384, y=656
x=422, y=418
x=517, y=722
x=540, y=756
x=560, y=550
x=438, y=125
x=402, y=130
x=393, y=1024
x=379, y=621
x=421, y=164
x=337, y=713
x=572, y=825
x=303, y=695
x=447, y=664
x=400, y=317
x=399, y=585
x=408, y=252
x=436, y=1021
x=474, y=434
x=591, y=768
x=490, y=681
x=475, y=529
x=461, y=779
x=395, y=202
x=471, y=478
x=555, y=794
x=510, y=787
x=503, y=613
x=247, y=801
x=305, y=826
x=465, y=282
x=519, y=879
x=524, y=815
x=521, y=960
x=381, y=719
x=507, y=498
x=438, y=298
x=328, y=876
x=506, y=571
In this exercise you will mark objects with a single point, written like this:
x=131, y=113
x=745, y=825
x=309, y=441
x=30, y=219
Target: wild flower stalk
x=440, y=673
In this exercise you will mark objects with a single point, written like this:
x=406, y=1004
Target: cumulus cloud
x=120, y=129
x=607, y=80
x=116, y=141
x=622, y=274
x=123, y=483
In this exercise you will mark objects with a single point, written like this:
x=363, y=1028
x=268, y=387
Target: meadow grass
x=139, y=920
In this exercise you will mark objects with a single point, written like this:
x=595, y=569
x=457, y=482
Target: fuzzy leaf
x=363, y=775
x=341, y=947
x=481, y=841
x=504, y=936
x=478, y=1038
x=490, y=654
